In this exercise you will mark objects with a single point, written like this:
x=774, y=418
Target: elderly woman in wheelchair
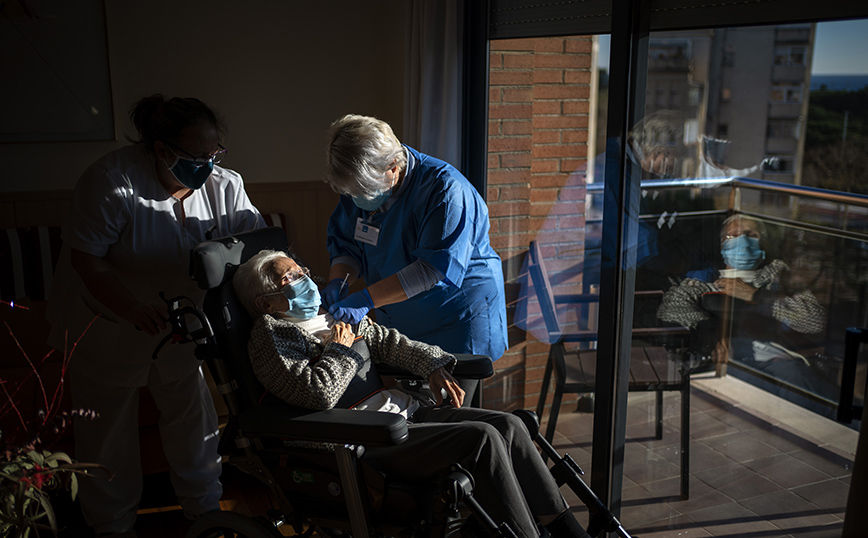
x=306, y=359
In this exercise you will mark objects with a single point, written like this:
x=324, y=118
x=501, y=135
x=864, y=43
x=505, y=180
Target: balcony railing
x=821, y=235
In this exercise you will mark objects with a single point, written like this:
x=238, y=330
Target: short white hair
x=760, y=227
x=361, y=149
x=252, y=279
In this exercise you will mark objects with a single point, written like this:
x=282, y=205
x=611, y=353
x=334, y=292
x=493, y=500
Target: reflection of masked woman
x=768, y=320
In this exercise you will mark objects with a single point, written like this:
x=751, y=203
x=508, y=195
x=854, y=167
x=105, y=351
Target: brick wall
x=539, y=104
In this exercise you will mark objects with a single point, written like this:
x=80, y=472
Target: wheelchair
x=312, y=462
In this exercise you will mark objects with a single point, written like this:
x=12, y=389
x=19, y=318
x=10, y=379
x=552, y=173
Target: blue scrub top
x=440, y=218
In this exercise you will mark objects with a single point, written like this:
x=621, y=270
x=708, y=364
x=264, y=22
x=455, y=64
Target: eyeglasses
x=200, y=160
x=749, y=233
x=291, y=277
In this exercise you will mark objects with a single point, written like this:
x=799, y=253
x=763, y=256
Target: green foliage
x=27, y=481
x=834, y=158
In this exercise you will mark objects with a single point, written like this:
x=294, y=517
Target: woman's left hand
x=736, y=287
x=441, y=379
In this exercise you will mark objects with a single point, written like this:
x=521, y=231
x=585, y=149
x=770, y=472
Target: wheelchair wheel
x=232, y=525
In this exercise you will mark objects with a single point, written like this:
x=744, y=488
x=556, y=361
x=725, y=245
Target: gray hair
x=361, y=149
x=252, y=279
x=760, y=227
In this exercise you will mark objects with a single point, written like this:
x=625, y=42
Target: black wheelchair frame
x=312, y=462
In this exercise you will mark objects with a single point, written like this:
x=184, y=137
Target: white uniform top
x=121, y=212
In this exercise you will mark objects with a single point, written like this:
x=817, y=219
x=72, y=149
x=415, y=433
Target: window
x=783, y=129
x=790, y=56
x=786, y=94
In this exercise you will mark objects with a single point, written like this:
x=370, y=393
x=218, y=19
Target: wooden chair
x=651, y=367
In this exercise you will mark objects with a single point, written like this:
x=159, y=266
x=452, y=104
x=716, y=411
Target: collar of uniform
x=411, y=165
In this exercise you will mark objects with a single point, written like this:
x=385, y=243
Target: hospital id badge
x=366, y=232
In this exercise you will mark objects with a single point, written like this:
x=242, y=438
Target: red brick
x=515, y=224
x=495, y=61
x=577, y=107
x=493, y=161
x=567, y=61
x=548, y=76
x=577, y=77
x=546, y=137
x=574, y=165
x=556, y=151
x=509, y=111
x=510, y=78
x=545, y=165
x=517, y=127
x=513, y=143
x=513, y=95
x=561, y=91
x=500, y=209
x=559, y=122
x=546, y=107
x=516, y=160
x=518, y=61
x=512, y=240
x=581, y=45
x=541, y=209
x=549, y=44
x=494, y=128
x=507, y=176
x=543, y=195
x=571, y=137
x=495, y=94
x=552, y=180
x=511, y=44
x=515, y=193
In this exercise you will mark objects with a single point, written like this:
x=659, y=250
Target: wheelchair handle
x=180, y=333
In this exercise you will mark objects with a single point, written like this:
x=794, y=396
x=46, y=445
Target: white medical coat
x=121, y=212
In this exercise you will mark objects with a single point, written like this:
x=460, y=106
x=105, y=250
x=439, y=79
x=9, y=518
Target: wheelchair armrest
x=342, y=426
x=467, y=367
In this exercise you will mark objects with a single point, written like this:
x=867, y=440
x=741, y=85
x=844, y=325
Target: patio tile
x=787, y=471
x=789, y=512
x=732, y=519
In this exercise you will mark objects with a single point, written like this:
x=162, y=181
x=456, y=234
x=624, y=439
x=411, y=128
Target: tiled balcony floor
x=759, y=466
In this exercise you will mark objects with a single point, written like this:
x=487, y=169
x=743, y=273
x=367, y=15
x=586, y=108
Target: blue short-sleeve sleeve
x=449, y=230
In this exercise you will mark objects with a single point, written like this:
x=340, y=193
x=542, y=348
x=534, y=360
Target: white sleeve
x=99, y=212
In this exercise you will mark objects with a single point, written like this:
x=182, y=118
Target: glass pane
x=736, y=121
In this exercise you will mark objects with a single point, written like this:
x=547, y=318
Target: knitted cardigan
x=294, y=365
x=795, y=311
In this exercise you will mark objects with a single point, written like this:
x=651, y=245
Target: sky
x=840, y=48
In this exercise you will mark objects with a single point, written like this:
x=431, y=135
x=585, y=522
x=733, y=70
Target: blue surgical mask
x=742, y=252
x=303, y=297
x=190, y=174
x=372, y=204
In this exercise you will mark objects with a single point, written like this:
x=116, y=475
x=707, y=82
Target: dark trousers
x=511, y=481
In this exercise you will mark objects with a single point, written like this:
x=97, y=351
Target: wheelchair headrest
x=211, y=262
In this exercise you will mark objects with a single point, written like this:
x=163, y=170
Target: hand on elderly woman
x=352, y=309
x=335, y=291
x=341, y=333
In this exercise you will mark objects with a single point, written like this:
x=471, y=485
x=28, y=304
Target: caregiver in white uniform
x=135, y=215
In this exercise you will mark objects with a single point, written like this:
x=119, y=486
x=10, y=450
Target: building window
x=783, y=129
x=786, y=94
x=790, y=56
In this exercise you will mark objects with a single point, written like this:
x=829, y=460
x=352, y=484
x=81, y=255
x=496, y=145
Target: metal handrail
x=759, y=184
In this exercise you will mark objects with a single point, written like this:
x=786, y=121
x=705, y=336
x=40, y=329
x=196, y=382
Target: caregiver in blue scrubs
x=416, y=231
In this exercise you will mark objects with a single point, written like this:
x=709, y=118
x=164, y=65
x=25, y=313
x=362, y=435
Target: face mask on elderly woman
x=742, y=252
x=303, y=297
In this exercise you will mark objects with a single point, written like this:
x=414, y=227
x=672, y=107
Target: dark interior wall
x=279, y=72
